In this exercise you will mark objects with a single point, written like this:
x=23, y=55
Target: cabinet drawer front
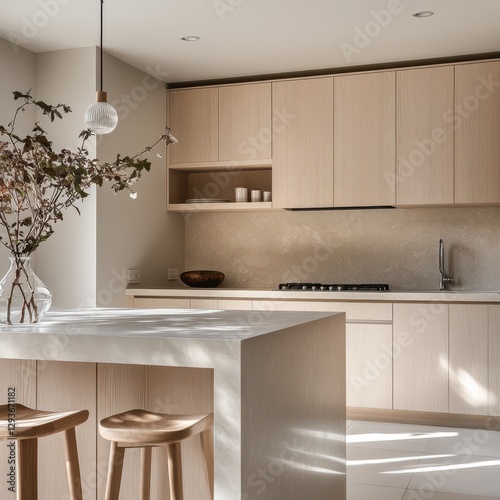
x=355, y=311
x=161, y=303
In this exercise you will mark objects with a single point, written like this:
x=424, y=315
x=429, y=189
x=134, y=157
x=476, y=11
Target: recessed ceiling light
x=423, y=13
x=190, y=38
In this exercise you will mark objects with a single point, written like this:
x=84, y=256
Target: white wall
x=135, y=234
x=88, y=255
x=18, y=72
x=66, y=262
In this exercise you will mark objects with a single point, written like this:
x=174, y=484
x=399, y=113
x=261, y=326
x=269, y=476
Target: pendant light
x=101, y=117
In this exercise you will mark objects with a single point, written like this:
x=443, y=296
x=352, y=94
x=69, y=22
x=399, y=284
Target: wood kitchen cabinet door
x=420, y=357
x=245, y=122
x=468, y=366
x=303, y=143
x=477, y=132
x=425, y=139
x=494, y=359
x=369, y=365
x=364, y=139
x=193, y=116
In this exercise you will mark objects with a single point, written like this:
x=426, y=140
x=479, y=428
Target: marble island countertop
x=449, y=296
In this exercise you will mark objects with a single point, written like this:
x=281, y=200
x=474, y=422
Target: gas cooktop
x=337, y=287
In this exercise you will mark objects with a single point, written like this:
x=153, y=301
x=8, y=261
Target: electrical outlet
x=173, y=274
x=133, y=275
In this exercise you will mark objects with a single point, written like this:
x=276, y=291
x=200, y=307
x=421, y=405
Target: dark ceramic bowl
x=202, y=279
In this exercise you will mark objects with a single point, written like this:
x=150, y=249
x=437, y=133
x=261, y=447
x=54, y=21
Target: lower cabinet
x=468, y=362
x=494, y=359
x=369, y=365
x=426, y=357
x=421, y=362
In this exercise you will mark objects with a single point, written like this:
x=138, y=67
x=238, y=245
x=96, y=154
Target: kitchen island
x=278, y=392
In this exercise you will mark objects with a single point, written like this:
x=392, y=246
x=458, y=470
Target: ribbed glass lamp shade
x=101, y=117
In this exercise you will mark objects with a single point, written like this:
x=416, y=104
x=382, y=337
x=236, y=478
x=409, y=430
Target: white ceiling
x=255, y=37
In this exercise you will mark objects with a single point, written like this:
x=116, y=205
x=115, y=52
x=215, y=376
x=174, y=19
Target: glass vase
x=23, y=296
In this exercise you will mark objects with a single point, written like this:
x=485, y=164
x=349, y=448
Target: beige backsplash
x=395, y=246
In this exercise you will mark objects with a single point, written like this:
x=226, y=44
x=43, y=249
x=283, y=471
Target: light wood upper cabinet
x=303, y=143
x=425, y=138
x=468, y=364
x=420, y=357
x=477, y=128
x=364, y=138
x=193, y=116
x=245, y=122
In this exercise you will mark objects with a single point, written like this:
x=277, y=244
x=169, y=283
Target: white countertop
x=458, y=296
x=163, y=323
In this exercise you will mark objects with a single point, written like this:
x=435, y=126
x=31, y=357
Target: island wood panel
x=369, y=365
x=181, y=391
x=193, y=116
x=425, y=140
x=64, y=386
x=21, y=376
x=361, y=311
x=468, y=361
x=420, y=368
x=119, y=388
x=278, y=382
x=494, y=359
x=303, y=143
x=245, y=122
x=477, y=129
x=364, y=139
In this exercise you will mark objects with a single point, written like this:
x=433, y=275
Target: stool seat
x=25, y=425
x=147, y=428
x=30, y=423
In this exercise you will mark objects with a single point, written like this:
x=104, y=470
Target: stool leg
x=27, y=469
x=175, y=471
x=114, y=472
x=72, y=465
x=207, y=446
x=146, y=473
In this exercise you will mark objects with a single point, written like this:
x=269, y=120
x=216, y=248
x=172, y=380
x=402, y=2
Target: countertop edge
x=457, y=296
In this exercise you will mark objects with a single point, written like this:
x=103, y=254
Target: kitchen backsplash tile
x=395, y=246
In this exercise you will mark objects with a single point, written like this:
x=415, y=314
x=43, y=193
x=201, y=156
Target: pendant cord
x=102, y=3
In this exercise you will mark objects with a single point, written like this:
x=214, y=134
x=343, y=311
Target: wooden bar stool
x=25, y=425
x=146, y=430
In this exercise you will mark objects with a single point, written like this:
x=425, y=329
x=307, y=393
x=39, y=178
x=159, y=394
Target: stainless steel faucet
x=443, y=278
